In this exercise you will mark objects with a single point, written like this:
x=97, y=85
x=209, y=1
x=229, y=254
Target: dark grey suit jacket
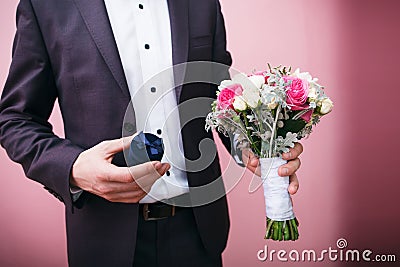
x=65, y=50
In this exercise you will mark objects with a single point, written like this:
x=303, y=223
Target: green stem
x=286, y=234
x=274, y=131
x=282, y=230
x=246, y=123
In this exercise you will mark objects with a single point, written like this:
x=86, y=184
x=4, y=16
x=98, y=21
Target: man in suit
x=92, y=56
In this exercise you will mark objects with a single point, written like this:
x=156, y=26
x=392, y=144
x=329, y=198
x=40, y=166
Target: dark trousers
x=172, y=242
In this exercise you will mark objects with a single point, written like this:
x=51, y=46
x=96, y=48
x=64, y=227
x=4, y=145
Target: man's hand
x=289, y=169
x=93, y=172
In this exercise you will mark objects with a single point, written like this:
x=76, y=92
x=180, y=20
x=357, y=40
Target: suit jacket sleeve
x=25, y=107
x=221, y=55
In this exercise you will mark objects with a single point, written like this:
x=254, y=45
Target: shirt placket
x=147, y=45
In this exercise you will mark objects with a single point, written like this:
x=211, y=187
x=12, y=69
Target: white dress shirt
x=143, y=35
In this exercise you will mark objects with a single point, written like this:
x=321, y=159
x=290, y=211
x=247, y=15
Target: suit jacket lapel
x=95, y=16
x=179, y=17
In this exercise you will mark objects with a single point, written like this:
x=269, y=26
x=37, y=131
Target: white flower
x=326, y=106
x=273, y=104
x=251, y=88
x=251, y=97
x=269, y=99
x=312, y=94
x=239, y=104
x=248, y=83
x=257, y=80
x=225, y=84
x=304, y=76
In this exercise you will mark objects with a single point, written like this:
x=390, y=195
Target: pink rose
x=227, y=96
x=296, y=96
x=297, y=93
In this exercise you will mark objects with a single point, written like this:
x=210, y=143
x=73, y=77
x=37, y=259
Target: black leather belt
x=158, y=210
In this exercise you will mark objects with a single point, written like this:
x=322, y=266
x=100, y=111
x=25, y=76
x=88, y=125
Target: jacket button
x=129, y=127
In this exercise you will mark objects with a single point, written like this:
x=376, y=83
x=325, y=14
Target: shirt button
x=168, y=173
x=140, y=6
x=159, y=131
x=147, y=46
x=153, y=89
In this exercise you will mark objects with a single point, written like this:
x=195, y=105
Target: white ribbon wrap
x=277, y=199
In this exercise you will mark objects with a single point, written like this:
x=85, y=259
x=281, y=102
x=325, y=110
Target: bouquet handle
x=281, y=221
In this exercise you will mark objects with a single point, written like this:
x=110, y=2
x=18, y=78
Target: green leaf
x=293, y=126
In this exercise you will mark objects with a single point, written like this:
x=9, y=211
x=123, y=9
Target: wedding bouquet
x=268, y=112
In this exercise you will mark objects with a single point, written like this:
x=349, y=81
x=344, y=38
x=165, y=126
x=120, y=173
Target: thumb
x=254, y=161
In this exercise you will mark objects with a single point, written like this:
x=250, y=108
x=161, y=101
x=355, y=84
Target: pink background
x=349, y=176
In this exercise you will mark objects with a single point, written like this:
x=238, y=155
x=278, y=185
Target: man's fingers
x=245, y=157
x=130, y=174
x=251, y=168
x=144, y=169
x=249, y=159
x=126, y=197
x=151, y=178
x=289, y=168
x=293, y=185
x=294, y=152
x=118, y=175
x=112, y=188
x=257, y=171
x=165, y=167
x=112, y=147
x=120, y=185
x=254, y=161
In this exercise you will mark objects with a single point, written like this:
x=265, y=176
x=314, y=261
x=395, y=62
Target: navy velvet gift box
x=145, y=147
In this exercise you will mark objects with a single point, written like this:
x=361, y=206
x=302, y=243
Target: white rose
x=251, y=97
x=273, y=104
x=312, y=94
x=326, y=106
x=239, y=104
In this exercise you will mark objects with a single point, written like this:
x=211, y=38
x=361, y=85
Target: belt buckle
x=146, y=212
